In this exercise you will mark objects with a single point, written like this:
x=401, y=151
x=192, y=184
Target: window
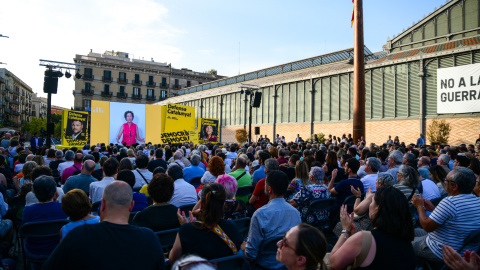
x=106, y=88
x=150, y=92
x=199, y=82
x=163, y=94
x=150, y=80
x=164, y=81
x=88, y=72
x=122, y=76
x=189, y=83
x=176, y=82
x=87, y=104
x=136, y=91
x=88, y=87
x=137, y=78
x=107, y=74
x=122, y=90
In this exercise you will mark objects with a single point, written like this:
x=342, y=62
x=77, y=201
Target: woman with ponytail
x=210, y=236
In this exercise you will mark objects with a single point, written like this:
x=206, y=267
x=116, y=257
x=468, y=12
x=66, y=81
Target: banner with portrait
x=208, y=130
x=74, y=128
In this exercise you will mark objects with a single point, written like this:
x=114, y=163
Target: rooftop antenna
x=239, y=58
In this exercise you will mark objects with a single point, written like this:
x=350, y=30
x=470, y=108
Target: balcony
x=23, y=102
x=122, y=95
x=164, y=85
x=2, y=80
x=33, y=113
x=7, y=110
x=106, y=79
x=176, y=87
x=9, y=99
x=106, y=94
x=88, y=77
x=87, y=92
x=139, y=96
x=15, y=112
x=16, y=92
x=3, y=92
x=122, y=81
x=138, y=83
x=16, y=102
x=152, y=98
x=162, y=98
x=8, y=87
x=151, y=84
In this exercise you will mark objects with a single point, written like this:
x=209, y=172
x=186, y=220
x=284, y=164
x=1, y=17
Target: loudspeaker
x=50, y=82
x=257, y=130
x=257, y=99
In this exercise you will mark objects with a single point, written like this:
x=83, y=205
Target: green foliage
x=439, y=131
x=34, y=125
x=56, y=118
x=320, y=136
x=58, y=130
x=212, y=71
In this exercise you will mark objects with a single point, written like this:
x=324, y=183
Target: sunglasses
x=283, y=243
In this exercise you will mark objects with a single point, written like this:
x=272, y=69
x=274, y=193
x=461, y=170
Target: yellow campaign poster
x=193, y=134
x=179, y=120
x=74, y=128
x=208, y=130
x=100, y=122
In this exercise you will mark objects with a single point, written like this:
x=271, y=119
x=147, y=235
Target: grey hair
x=397, y=156
x=118, y=193
x=444, y=158
x=192, y=258
x=410, y=157
x=69, y=155
x=375, y=163
x=318, y=174
x=195, y=160
x=385, y=179
x=271, y=164
x=178, y=154
x=196, y=152
x=464, y=178
x=410, y=176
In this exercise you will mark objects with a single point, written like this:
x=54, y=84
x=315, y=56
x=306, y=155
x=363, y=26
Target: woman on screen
x=129, y=130
x=209, y=133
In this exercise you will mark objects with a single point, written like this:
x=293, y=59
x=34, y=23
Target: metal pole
x=49, y=109
x=358, y=75
x=250, y=121
x=245, y=116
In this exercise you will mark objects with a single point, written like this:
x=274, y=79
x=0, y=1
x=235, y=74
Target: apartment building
x=114, y=76
x=15, y=100
x=39, y=107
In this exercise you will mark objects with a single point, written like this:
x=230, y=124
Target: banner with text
x=179, y=120
x=208, y=129
x=74, y=128
x=458, y=89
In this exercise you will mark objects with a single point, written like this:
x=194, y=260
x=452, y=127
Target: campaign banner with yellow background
x=208, y=130
x=74, y=128
x=100, y=122
x=177, y=122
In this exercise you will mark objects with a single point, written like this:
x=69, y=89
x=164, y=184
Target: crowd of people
x=411, y=205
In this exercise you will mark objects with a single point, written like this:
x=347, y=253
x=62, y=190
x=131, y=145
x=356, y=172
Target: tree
x=35, y=125
x=212, y=71
x=56, y=118
x=320, y=136
x=439, y=131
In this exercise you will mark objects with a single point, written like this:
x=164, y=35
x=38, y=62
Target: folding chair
x=245, y=191
x=195, y=181
x=186, y=208
x=234, y=262
x=132, y=215
x=39, y=230
x=350, y=202
x=96, y=208
x=167, y=238
x=322, y=205
x=243, y=225
x=436, y=201
x=267, y=248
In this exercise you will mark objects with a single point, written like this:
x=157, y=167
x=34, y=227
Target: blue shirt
x=450, y=164
x=73, y=224
x=81, y=181
x=420, y=141
x=259, y=174
x=393, y=171
x=191, y=172
x=272, y=220
x=140, y=201
x=343, y=189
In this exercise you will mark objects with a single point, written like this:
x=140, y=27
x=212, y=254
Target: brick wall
x=464, y=130
x=290, y=131
x=408, y=131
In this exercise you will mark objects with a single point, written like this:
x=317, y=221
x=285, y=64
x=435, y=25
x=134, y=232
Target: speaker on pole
x=257, y=130
x=257, y=99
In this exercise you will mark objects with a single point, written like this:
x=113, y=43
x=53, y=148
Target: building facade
x=39, y=107
x=316, y=94
x=113, y=76
x=15, y=100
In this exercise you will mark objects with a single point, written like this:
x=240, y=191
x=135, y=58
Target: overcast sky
x=229, y=36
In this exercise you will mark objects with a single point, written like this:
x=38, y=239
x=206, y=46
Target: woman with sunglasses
x=303, y=247
x=210, y=236
x=388, y=245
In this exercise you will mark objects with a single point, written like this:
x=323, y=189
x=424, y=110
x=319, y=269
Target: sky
x=230, y=36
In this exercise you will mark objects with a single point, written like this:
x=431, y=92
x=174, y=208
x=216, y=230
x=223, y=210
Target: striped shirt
x=457, y=216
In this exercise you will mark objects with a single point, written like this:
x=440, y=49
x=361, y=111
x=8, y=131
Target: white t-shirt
x=183, y=193
x=370, y=180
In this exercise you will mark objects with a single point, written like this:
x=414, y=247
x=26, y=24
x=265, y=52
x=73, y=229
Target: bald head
x=8, y=136
x=88, y=167
x=118, y=194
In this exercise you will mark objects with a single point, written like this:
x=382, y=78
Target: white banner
x=458, y=89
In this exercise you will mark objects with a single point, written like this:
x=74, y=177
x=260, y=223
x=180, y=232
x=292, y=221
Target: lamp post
x=50, y=86
x=248, y=90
